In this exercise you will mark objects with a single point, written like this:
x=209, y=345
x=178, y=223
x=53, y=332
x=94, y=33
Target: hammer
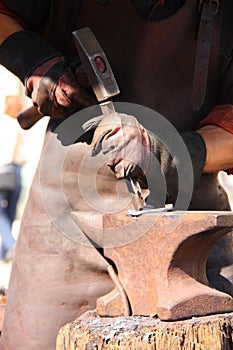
x=105, y=87
x=98, y=71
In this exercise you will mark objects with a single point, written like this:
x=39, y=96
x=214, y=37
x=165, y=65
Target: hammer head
x=96, y=65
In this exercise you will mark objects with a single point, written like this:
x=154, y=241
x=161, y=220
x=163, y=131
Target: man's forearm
x=219, y=148
x=8, y=27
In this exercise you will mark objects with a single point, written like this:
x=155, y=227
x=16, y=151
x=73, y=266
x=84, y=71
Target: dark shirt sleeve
x=31, y=12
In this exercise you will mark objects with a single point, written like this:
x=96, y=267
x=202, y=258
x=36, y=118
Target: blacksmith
x=174, y=57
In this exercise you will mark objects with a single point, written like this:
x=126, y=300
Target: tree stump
x=90, y=332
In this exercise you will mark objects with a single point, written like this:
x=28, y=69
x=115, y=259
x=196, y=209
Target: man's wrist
x=23, y=51
x=217, y=131
x=196, y=148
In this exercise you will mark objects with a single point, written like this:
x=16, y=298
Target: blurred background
x=33, y=140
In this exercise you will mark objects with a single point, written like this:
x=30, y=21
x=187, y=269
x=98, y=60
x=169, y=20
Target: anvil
x=159, y=262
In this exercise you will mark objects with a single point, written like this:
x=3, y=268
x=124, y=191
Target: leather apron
x=54, y=279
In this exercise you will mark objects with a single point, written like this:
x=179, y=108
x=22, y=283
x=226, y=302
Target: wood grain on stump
x=90, y=332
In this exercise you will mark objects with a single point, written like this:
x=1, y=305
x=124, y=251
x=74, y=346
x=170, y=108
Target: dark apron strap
x=208, y=8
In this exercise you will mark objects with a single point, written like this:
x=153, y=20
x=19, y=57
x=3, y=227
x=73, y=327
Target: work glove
x=131, y=151
x=57, y=86
x=125, y=144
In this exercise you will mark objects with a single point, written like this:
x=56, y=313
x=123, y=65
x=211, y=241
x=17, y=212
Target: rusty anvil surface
x=160, y=261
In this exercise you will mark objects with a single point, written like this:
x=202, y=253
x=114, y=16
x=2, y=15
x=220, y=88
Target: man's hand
x=130, y=150
x=125, y=144
x=57, y=88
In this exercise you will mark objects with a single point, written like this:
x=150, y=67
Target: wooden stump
x=90, y=332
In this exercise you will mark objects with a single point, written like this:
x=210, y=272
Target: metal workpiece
x=147, y=210
x=163, y=272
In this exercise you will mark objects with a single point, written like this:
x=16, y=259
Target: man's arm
x=219, y=148
x=217, y=132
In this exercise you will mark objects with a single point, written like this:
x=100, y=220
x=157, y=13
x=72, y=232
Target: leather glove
x=125, y=144
x=131, y=150
x=57, y=90
x=55, y=84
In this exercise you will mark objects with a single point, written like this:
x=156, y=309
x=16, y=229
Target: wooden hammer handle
x=29, y=117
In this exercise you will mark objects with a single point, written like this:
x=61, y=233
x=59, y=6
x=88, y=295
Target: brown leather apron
x=55, y=275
